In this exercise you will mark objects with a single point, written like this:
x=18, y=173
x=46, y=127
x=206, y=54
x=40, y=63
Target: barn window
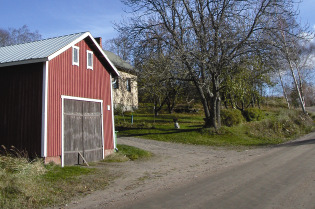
x=115, y=83
x=75, y=55
x=128, y=85
x=89, y=59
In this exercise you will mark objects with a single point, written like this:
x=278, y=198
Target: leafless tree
x=207, y=37
x=4, y=37
x=17, y=36
x=294, y=51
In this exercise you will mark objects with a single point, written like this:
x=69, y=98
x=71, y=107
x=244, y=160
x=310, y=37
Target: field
x=276, y=126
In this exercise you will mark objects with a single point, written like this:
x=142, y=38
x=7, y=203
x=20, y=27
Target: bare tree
x=294, y=52
x=121, y=46
x=18, y=36
x=4, y=37
x=207, y=37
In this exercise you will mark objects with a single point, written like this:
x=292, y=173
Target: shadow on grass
x=161, y=131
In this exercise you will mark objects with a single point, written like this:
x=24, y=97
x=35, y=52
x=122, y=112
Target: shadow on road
x=298, y=143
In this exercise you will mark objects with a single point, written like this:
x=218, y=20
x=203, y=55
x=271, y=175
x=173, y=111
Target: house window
x=89, y=59
x=75, y=55
x=115, y=83
x=128, y=85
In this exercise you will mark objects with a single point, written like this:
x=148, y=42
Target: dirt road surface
x=189, y=176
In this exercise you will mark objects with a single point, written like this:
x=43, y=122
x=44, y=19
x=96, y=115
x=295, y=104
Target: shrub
x=287, y=124
x=119, y=109
x=231, y=117
x=253, y=114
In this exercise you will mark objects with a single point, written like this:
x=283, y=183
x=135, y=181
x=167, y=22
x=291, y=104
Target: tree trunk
x=284, y=92
x=215, y=111
x=287, y=54
x=219, y=112
x=301, y=85
x=297, y=87
x=205, y=105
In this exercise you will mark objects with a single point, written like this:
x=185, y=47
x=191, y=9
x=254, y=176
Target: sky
x=53, y=18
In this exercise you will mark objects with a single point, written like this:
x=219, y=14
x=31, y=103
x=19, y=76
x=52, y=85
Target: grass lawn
x=277, y=126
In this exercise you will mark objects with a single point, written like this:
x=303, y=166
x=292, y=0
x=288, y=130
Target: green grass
x=133, y=153
x=279, y=125
x=31, y=184
x=57, y=173
x=126, y=153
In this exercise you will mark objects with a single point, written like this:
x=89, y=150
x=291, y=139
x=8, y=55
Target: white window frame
x=115, y=82
x=128, y=84
x=87, y=59
x=73, y=49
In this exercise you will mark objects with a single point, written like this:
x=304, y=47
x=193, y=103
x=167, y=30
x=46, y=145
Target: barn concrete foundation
x=56, y=160
x=109, y=152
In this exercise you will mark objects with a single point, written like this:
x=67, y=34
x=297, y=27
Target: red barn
x=56, y=99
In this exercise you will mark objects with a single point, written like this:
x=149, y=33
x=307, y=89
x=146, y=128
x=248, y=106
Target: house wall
x=77, y=81
x=21, y=107
x=123, y=98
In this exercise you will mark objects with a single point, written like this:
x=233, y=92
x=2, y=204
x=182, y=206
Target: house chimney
x=99, y=41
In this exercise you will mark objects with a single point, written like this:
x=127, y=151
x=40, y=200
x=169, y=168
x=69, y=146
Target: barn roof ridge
x=44, y=50
x=44, y=39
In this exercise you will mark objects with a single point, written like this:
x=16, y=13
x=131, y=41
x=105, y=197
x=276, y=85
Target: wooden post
x=83, y=158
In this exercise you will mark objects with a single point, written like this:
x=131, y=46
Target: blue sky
x=61, y=17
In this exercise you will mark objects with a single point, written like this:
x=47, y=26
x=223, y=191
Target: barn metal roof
x=35, y=50
x=44, y=50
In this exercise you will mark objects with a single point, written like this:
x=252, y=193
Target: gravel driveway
x=172, y=164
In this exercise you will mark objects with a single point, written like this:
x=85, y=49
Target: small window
x=128, y=85
x=75, y=55
x=89, y=60
x=115, y=83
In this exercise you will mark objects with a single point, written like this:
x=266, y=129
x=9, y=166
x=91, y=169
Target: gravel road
x=172, y=165
x=281, y=178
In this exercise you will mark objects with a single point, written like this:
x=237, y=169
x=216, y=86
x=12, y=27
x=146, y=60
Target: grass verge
x=31, y=184
x=126, y=153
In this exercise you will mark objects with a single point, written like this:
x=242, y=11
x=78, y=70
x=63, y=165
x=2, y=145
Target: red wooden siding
x=21, y=107
x=77, y=81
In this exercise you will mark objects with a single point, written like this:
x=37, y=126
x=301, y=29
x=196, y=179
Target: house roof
x=120, y=63
x=45, y=50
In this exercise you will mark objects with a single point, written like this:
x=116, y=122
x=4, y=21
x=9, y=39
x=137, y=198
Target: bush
x=253, y=114
x=119, y=109
x=231, y=117
x=287, y=124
